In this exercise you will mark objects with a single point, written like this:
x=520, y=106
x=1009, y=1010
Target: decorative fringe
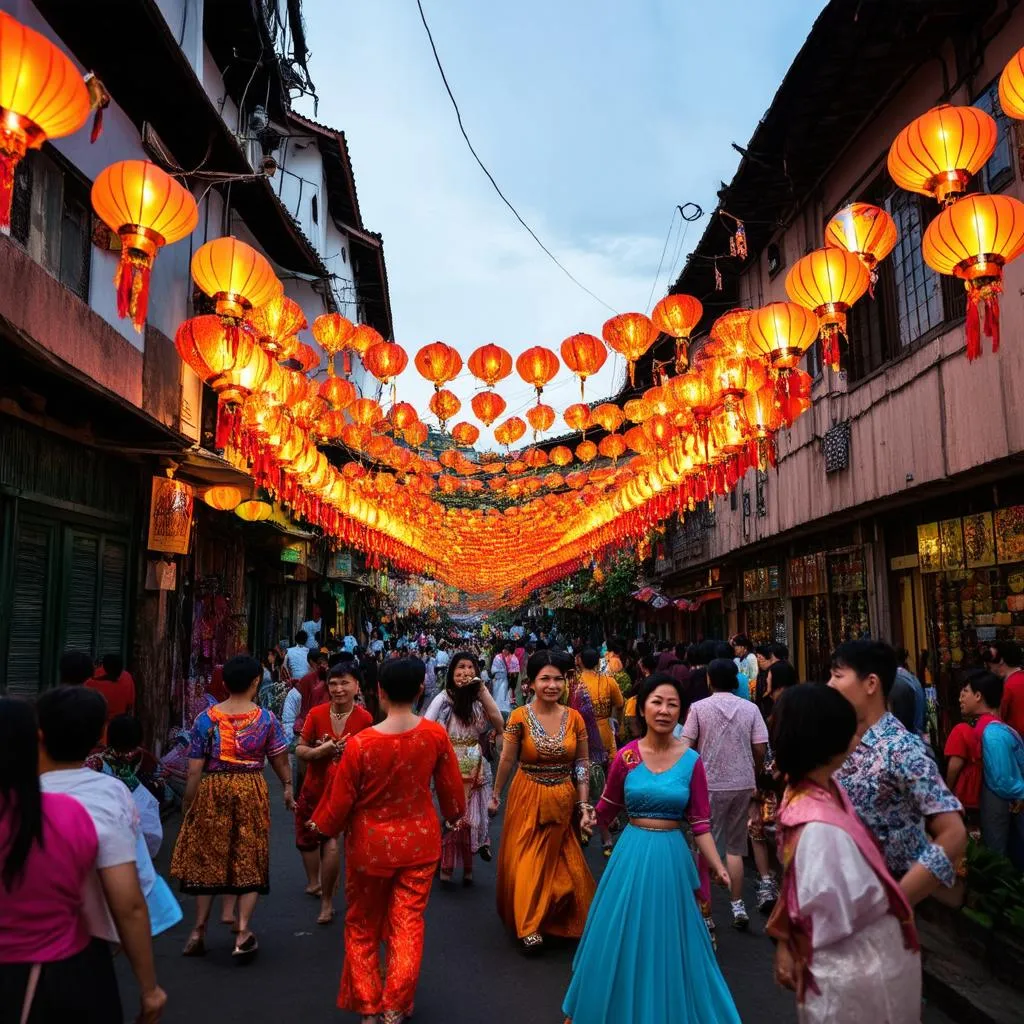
x=830, y=346
x=682, y=358
x=8, y=164
x=229, y=418
x=982, y=316
x=99, y=100
x=131, y=279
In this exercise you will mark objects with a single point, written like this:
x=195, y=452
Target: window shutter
x=113, y=596
x=32, y=550
x=82, y=585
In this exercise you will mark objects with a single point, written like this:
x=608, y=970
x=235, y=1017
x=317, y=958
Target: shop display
x=951, y=543
x=928, y=551
x=1009, y=530
x=979, y=540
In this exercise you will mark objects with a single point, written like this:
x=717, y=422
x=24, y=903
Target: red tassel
x=97, y=125
x=830, y=347
x=132, y=282
x=223, y=432
x=992, y=321
x=973, y=327
x=8, y=164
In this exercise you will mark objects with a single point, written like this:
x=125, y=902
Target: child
x=847, y=942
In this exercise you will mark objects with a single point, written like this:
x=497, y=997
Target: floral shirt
x=895, y=786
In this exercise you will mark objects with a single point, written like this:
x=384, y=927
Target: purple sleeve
x=277, y=742
x=613, y=799
x=698, y=811
x=199, y=739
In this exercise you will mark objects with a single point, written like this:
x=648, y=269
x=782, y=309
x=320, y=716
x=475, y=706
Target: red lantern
x=677, y=315
x=577, y=417
x=584, y=355
x=444, y=405
x=540, y=417
x=488, y=406
x=489, y=364
x=537, y=366
x=631, y=335
x=439, y=363
x=385, y=360
x=465, y=433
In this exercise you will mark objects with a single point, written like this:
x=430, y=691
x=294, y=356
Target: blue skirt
x=645, y=956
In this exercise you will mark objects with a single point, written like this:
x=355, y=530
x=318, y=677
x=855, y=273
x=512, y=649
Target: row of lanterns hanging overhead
x=687, y=438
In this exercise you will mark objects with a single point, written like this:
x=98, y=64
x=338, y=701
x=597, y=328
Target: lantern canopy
x=489, y=364
x=488, y=406
x=782, y=332
x=537, y=366
x=42, y=96
x=677, y=315
x=584, y=355
x=631, y=335
x=148, y=209
x=973, y=239
x=234, y=275
x=439, y=363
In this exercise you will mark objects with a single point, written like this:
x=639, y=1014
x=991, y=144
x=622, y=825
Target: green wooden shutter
x=33, y=551
x=113, y=596
x=81, y=592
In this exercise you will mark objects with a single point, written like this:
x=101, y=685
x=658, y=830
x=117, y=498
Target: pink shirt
x=42, y=919
x=724, y=728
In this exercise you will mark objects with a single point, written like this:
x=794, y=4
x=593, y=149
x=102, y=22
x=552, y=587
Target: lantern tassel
x=972, y=327
x=830, y=345
x=8, y=164
x=131, y=279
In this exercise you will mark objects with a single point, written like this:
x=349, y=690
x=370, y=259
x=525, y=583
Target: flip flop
x=245, y=951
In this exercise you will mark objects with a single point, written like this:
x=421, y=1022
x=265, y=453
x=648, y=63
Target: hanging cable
x=661, y=262
x=490, y=177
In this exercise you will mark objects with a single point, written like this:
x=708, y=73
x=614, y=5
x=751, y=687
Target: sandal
x=196, y=945
x=392, y=1017
x=485, y=854
x=606, y=850
x=244, y=952
x=532, y=943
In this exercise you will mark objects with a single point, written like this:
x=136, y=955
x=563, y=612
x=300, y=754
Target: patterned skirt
x=223, y=843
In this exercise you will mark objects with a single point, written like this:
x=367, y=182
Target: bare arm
x=279, y=762
x=947, y=831
x=759, y=750
x=509, y=759
x=954, y=766
x=195, y=773
x=305, y=752
x=490, y=708
x=706, y=846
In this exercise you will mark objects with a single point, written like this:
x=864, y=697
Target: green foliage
x=995, y=890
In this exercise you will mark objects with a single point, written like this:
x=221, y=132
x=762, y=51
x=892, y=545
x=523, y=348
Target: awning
x=694, y=602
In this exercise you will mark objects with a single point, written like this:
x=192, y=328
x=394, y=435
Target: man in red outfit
x=1003, y=657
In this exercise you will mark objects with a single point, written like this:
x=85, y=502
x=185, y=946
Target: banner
x=170, y=516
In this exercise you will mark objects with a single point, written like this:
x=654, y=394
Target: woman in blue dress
x=645, y=955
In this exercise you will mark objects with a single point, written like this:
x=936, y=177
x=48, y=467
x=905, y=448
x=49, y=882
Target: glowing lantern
x=541, y=418
x=223, y=499
x=866, y=230
x=379, y=448
x=439, y=363
x=636, y=410
x=612, y=446
x=488, y=406
x=584, y=355
x=609, y=416
x=537, y=366
x=465, y=433
x=560, y=455
x=828, y=282
x=535, y=458
x=793, y=394
x=444, y=405
x=355, y=435
x=276, y=324
x=305, y=357
x=42, y=96
x=631, y=335
x=234, y=275
x=677, y=316
x=659, y=430
x=489, y=364
x=363, y=338
x=586, y=451
x=228, y=358
x=656, y=400
x=577, y=417
x=332, y=423
x=308, y=411
x=1011, y=87
x=782, y=332
x=385, y=360
x=417, y=434
x=973, y=239
x=332, y=332
x=148, y=209
x=402, y=416
x=254, y=511
x=510, y=431
x=938, y=153
x=366, y=412
x=338, y=392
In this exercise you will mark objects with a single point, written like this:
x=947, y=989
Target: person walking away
x=1002, y=759
x=313, y=628
x=746, y=663
x=116, y=685
x=891, y=781
x=468, y=713
x=503, y=668
x=296, y=658
x=75, y=668
x=380, y=798
x=731, y=738
x=1004, y=659
x=645, y=956
x=51, y=969
x=907, y=682
x=223, y=844
x=325, y=733
x=544, y=884
x=846, y=939
x=71, y=720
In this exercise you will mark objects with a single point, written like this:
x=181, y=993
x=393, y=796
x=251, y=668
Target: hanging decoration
x=537, y=366
x=444, y=405
x=490, y=364
x=438, y=363
x=677, y=315
x=277, y=325
x=865, y=230
x=584, y=355
x=488, y=406
x=631, y=335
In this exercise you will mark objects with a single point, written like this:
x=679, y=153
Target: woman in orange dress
x=544, y=884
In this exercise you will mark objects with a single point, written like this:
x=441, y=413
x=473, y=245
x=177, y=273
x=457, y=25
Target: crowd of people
x=394, y=758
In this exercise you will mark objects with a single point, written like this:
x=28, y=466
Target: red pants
x=383, y=909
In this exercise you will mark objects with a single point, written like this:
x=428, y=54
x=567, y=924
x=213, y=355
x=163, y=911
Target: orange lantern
x=366, y=412
x=439, y=363
x=677, y=316
x=228, y=358
x=402, y=416
x=540, y=417
x=363, y=338
x=42, y=96
x=332, y=332
x=609, y=416
x=305, y=357
x=612, y=446
x=1011, y=87
x=444, y=405
x=560, y=455
x=488, y=406
x=385, y=360
x=490, y=363
x=586, y=451
x=631, y=335
x=223, y=498
x=659, y=430
x=276, y=324
x=828, y=282
x=254, y=511
x=332, y=423
x=355, y=435
x=866, y=230
x=510, y=431
x=973, y=239
x=793, y=394
x=577, y=417
x=234, y=275
x=584, y=355
x=148, y=209
x=338, y=392
x=537, y=366
x=782, y=332
x=465, y=433
x=939, y=152
x=636, y=410
x=535, y=458
x=416, y=434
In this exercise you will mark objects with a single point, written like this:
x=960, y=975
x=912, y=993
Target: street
x=472, y=971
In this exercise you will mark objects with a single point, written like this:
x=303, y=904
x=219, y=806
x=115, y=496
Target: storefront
x=762, y=608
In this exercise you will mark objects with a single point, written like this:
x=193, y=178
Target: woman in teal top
x=645, y=955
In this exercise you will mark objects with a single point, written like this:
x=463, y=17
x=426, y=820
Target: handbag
x=30, y=992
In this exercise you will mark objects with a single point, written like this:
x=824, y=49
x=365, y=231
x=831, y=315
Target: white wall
x=185, y=20
x=299, y=178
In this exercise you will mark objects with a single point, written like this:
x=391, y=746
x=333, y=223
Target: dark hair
x=902, y=657
x=722, y=649
x=542, y=659
x=987, y=684
x=240, y=671
x=649, y=662
x=113, y=665
x=1007, y=651
x=866, y=658
x=680, y=651
x=341, y=658
x=742, y=640
x=616, y=645
x=811, y=725
x=75, y=667
x=124, y=732
x=783, y=675
x=19, y=786
x=589, y=658
x=462, y=697
x=765, y=650
x=723, y=675
x=692, y=653
x=71, y=719
x=781, y=651
x=301, y=637
x=648, y=686
x=371, y=698
x=402, y=679
x=346, y=668
x=707, y=652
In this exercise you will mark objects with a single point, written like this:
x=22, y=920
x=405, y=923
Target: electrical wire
x=490, y=177
x=661, y=262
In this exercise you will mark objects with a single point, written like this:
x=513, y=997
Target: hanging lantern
x=782, y=332
x=793, y=394
x=560, y=455
x=366, y=412
x=1011, y=87
x=510, y=431
x=416, y=434
x=465, y=434
x=540, y=417
x=332, y=332
x=636, y=410
x=402, y=416
x=276, y=324
x=305, y=357
x=488, y=406
x=865, y=230
x=584, y=355
x=42, y=96
x=939, y=152
x=677, y=316
x=656, y=400
x=537, y=366
x=586, y=451
x=609, y=416
x=577, y=417
x=535, y=458
x=148, y=209
x=234, y=275
x=444, y=405
x=612, y=446
x=227, y=357
x=631, y=335
x=332, y=423
x=223, y=498
x=490, y=363
x=254, y=511
x=385, y=360
x=337, y=392
x=439, y=363
x=828, y=282
x=973, y=239
x=362, y=339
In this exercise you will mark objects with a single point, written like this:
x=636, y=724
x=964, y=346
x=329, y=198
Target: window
x=314, y=209
x=998, y=172
x=775, y=259
x=51, y=218
x=918, y=289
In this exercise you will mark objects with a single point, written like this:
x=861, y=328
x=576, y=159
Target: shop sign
x=808, y=575
x=973, y=542
x=1010, y=534
x=846, y=571
x=979, y=540
x=294, y=554
x=928, y=551
x=170, y=516
x=951, y=543
x=340, y=565
x=903, y=562
x=763, y=583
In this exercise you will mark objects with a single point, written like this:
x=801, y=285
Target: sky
x=596, y=117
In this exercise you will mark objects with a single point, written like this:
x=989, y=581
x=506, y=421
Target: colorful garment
x=963, y=742
x=646, y=956
x=544, y=884
x=236, y=743
x=606, y=698
x=895, y=786
x=844, y=918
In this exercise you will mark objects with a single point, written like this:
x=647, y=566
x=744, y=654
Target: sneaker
x=767, y=894
x=740, y=918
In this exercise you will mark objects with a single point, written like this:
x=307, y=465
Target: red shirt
x=1011, y=710
x=380, y=797
x=964, y=742
x=317, y=728
x=119, y=693
x=314, y=693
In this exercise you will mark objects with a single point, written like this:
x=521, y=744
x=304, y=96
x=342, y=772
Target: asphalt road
x=472, y=973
